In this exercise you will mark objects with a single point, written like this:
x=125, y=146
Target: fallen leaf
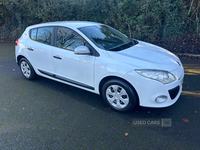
x=13, y=69
x=126, y=134
x=185, y=120
x=109, y=108
x=198, y=93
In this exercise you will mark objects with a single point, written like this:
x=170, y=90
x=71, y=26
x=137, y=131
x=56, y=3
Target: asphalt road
x=44, y=114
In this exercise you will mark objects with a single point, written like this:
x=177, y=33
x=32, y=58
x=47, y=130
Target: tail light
x=17, y=42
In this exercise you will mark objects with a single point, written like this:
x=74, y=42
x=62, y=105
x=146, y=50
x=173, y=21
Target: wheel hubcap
x=117, y=96
x=25, y=69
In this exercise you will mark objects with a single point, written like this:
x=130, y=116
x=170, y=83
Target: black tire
x=122, y=97
x=27, y=69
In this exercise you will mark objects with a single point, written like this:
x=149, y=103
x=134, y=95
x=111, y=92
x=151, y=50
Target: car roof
x=71, y=24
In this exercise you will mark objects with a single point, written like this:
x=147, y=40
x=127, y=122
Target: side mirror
x=82, y=50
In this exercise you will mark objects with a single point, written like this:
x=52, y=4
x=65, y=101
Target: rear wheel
x=119, y=95
x=26, y=69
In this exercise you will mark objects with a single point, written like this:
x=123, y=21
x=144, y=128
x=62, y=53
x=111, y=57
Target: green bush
x=146, y=20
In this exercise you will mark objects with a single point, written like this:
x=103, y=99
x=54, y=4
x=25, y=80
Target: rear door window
x=44, y=35
x=33, y=34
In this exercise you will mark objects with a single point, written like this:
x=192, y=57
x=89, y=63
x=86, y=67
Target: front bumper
x=149, y=90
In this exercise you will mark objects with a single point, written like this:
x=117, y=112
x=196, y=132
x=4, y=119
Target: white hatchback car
x=100, y=59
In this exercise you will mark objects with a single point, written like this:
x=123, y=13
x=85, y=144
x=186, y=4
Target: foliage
x=147, y=20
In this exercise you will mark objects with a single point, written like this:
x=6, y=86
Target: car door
x=39, y=49
x=70, y=67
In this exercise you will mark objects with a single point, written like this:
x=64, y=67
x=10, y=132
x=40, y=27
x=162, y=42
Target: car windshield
x=107, y=38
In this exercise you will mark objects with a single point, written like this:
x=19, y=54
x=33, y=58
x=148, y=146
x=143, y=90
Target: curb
x=194, y=55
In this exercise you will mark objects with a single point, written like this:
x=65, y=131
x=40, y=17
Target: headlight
x=159, y=75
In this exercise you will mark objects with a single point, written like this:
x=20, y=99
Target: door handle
x=30, y=49
x=57, y=57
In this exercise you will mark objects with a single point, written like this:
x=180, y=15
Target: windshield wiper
x=122, y=46
x=135, y=41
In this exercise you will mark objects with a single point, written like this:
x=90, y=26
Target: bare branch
x=190, y=7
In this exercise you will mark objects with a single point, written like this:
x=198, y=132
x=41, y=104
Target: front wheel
x=119, y=95
x=26, y=69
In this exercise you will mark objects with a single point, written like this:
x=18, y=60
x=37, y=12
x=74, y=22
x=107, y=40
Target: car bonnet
x=147, y=56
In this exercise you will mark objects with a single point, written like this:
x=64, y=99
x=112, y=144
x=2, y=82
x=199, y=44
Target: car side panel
x=79, y=68
x=39, y=55
x=105, y=66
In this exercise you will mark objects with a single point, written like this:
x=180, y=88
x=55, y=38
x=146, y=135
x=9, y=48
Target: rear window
x=42, y=35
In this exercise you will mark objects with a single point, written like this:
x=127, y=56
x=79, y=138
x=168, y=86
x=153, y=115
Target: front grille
x=173, y=92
